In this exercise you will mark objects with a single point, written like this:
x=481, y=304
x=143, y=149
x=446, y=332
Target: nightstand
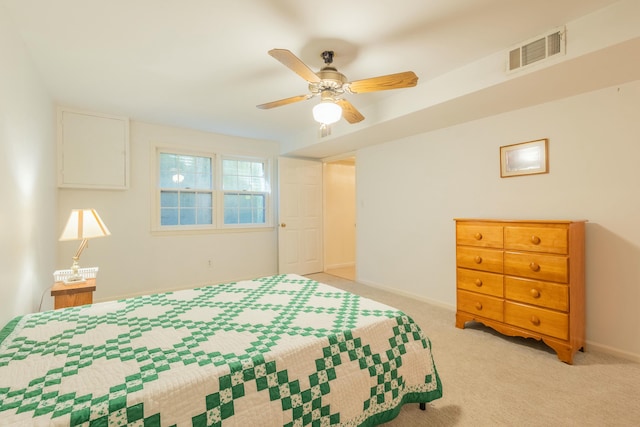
x=73, y=295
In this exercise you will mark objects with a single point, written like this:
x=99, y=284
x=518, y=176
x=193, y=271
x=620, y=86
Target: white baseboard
x=341, y=265
x=408, y=294
x=612, y=351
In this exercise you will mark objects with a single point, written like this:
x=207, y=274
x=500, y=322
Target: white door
x=300, y=216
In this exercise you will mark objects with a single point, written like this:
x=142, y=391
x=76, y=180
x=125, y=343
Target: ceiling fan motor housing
x=330, y=79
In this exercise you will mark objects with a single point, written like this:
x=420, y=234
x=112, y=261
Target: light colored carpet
x=489, y=379
x=344, y=272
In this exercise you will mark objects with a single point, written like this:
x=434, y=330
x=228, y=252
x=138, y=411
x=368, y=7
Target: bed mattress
x=275, y=351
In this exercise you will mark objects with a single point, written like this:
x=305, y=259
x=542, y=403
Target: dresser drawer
x=479, y=259
x=481, y=305
x=538, y=320
x=480, y=281
x=543, y=294
x=537, y=239
x=552, y=268
x=483, y=235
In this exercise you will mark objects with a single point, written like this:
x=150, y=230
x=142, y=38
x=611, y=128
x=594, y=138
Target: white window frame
x=268, y=199
x=157, y=225
x=217, y=193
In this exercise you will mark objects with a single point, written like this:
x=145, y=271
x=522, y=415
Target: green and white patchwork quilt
x=275, y=351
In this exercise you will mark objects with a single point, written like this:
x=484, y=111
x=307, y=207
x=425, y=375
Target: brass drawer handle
x=478, y=306
x=535, y=267
x=478, y=282
x=478, y=259
x=478, y=236
x=535, y=293
x=535, y=320
x=535, y=240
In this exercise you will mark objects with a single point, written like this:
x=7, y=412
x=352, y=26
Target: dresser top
x=525, y=221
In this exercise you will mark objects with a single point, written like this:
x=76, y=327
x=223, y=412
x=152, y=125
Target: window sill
x=201, y=231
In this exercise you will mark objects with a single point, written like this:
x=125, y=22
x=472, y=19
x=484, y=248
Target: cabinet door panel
x=93, y=150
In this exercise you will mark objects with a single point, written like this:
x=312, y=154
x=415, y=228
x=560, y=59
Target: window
x=205, y=191
x=245, y=188
x=186, y=190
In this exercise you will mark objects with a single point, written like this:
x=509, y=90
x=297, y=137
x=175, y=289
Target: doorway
x=339, y=236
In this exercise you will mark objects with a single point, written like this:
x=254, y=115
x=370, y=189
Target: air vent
x=538, y=49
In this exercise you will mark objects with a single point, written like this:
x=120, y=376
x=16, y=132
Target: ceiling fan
x=331, y=85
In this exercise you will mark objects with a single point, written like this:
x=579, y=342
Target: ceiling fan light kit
x=327, y=112
x=331, y=85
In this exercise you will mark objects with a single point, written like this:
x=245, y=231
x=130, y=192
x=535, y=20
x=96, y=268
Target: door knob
x=283, y=225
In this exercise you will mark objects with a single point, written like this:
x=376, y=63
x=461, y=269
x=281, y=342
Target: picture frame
x=525, y=158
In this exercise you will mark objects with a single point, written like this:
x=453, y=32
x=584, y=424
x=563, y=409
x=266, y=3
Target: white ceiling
x=203, y=64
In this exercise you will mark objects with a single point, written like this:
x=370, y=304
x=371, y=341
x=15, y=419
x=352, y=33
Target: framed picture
x=525, y=158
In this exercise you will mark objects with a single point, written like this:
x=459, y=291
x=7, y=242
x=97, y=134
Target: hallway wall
x=340, y=214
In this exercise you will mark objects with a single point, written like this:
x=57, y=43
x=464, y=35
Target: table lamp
x=83, y=224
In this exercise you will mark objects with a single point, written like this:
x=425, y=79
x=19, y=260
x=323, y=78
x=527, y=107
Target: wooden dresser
x=523, y=278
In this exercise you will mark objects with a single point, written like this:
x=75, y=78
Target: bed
x=283, y=350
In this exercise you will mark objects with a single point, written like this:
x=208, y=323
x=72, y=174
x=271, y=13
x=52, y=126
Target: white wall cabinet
x=93, y=150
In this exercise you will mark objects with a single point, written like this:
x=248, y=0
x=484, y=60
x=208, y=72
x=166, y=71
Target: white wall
x=410, y=190
x=27, y=175
x=339, y=214
x=134, y=261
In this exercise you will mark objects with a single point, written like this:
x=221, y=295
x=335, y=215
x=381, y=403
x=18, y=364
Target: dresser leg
x=423, y=406
x=564, y=352
x=461, y=320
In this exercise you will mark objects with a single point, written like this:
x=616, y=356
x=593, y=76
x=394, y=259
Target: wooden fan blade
x=282, y=102
x=295, y=64
x=390, y=81
x=349, y=112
